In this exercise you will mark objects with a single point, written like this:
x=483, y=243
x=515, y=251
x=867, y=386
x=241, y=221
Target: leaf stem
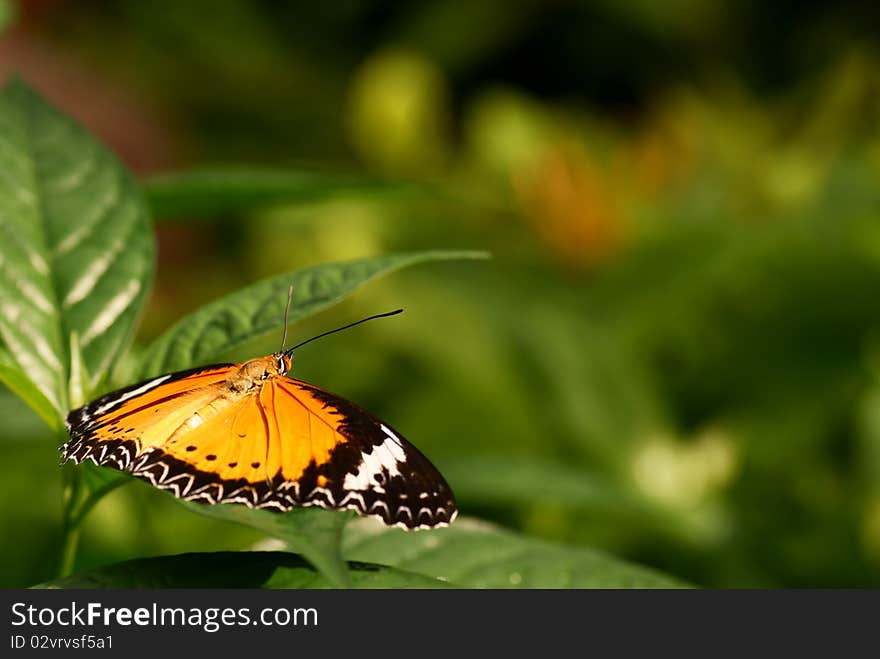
x=71, y=494
x=79, y=497
x=93, y=497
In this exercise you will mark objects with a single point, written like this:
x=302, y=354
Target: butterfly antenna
x=339, y=329
x=286, y=312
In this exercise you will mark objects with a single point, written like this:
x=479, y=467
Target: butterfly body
x=249, y=434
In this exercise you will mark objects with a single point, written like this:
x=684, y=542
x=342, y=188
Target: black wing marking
x=376, y=472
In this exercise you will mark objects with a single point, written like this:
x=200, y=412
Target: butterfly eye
x=282, y=367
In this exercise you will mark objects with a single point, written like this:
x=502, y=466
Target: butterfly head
x=282, y=362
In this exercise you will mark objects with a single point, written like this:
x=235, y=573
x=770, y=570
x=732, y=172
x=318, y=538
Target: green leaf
x=312, y=532
x=476, y=554
x=259, y=308
x=76, y=250
x=19, y=384
x=363, y=575
x=207, y=192
x=232, y=570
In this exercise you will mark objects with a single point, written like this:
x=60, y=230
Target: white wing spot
x=130, y=394
x=390, y=434
x=383, y=458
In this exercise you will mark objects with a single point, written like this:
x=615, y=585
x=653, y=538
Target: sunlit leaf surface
x=76, y=250
x=476, y=554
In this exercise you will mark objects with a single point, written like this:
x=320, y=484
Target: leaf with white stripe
x=76, y=249
x=18, y=383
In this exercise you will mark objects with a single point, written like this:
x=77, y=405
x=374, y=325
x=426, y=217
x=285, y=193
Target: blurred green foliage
x=674, y=354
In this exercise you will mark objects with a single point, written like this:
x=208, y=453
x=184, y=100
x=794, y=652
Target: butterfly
x=248, y=433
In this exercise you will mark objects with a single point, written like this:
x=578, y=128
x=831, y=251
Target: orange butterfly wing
x=119, y=426
x=280, y=444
